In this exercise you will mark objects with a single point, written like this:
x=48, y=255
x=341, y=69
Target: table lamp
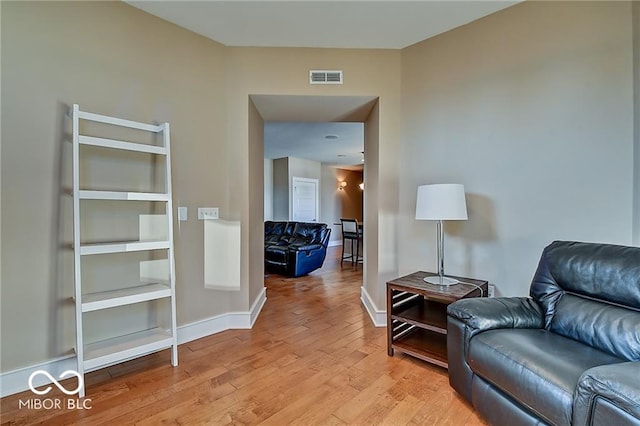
x=441, y=202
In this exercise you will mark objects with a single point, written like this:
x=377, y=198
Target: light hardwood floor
x=313, y=357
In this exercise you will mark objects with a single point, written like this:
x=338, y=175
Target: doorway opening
x=318, y=110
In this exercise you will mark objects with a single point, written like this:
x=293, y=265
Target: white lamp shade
x=441, y=202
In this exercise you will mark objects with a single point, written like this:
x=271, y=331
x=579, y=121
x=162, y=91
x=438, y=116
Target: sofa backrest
x=273, y=228
x=591, y=293
x=274, y=231
x=311, y=233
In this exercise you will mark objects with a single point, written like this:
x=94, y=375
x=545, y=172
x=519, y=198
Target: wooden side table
x=417, y=314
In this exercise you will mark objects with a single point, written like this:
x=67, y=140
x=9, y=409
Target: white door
x=305, y=200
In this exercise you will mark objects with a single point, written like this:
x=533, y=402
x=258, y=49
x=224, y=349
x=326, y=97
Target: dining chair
x=351, y=232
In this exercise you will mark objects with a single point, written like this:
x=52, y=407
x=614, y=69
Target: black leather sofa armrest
x=481, y=314
x=468, y=317
x=608, y=395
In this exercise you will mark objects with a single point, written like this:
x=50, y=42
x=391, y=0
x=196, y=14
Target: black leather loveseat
x=568, y=355
x=294, y=248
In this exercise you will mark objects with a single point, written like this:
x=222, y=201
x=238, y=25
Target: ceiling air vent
x=325, y=77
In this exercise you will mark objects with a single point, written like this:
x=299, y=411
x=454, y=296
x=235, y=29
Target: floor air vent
x=325, y=77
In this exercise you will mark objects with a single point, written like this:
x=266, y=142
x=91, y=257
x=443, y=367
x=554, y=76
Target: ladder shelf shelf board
x=122, y=195
x=91, y=116
x=126, y=296
x=119, y=349
x=123, y=145
x=144, y=289
x=123, y=247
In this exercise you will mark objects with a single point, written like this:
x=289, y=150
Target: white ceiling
x=308, y=140
x=332, y=23
x=292, y=122
x=313, y=108
x=296, y=126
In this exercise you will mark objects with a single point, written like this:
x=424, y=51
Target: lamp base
x=442, y=281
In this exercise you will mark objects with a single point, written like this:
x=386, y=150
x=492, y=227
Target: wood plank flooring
x=313, y=357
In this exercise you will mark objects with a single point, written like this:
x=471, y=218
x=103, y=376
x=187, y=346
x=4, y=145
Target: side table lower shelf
x=423, y=344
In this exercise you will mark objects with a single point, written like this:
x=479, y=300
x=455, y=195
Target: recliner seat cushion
x=535, y=367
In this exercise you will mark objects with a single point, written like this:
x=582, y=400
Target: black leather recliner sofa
x=568, y=355
x=295, y=248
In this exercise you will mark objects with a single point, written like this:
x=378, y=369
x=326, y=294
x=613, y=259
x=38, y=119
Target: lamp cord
x=475, y=285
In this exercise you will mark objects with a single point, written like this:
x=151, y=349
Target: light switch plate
x=207, y=213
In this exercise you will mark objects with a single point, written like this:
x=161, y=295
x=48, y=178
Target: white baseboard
x=335, y=243
x=16, y=381
x=228, y=321
x=379, y=318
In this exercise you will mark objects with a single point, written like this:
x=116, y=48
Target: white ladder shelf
x=95, y=355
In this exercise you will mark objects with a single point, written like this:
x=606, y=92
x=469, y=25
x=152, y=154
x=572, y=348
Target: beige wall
x=531, y=109
x=302, y=168
x=117, y=60
x=255, y=226
x=329, y=201
x=380, y=212
x=285, y=170
x=268, y=189
x=336, y=203
x=350, y=198
x=281, y=71
x=280, y=189
x=636, y=132
x=330, y=197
